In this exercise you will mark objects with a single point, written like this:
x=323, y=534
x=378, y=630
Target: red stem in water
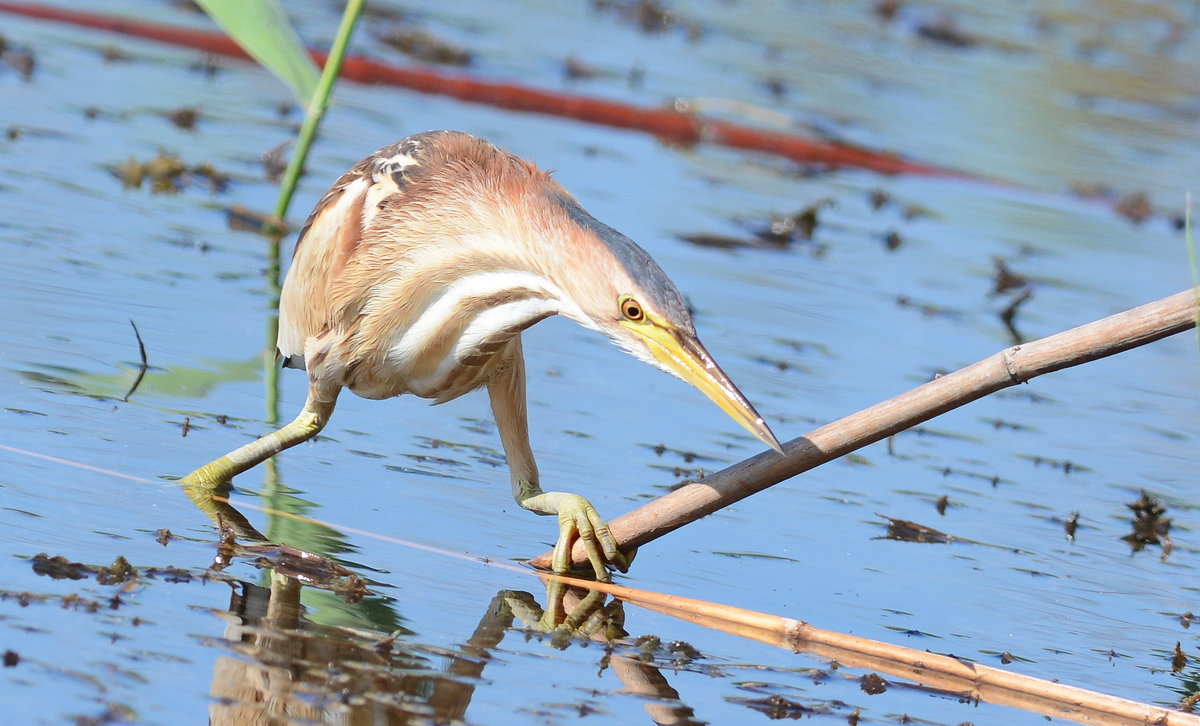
x=671, y=125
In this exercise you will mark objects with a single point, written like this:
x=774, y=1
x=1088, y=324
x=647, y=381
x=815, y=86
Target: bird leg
x=217, y=473
x=577, y=518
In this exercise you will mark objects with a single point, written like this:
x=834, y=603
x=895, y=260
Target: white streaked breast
x=411, y=344
x=513, y=316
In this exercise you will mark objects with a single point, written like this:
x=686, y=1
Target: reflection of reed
x=270, y=364
x=946, y=673
x=214, y=504
x=288, y=669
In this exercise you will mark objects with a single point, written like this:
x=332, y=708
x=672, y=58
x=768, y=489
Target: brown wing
x=329, y=238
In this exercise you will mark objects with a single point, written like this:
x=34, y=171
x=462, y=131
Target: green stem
x=318, y=105
x=308, y=132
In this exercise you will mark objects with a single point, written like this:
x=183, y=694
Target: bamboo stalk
x=1017, y=364
x=970, y=681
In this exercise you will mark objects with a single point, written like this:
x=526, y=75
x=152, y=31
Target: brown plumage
x=417, y=272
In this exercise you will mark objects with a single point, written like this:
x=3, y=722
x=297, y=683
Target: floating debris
x=1179, y=660
x=777, y=707
x=119, y=572
x=886, y=10
x=929, y=310
x=725, y=242
x=71, y=601
x=993, y=480
x=878, y=199
x=651, y=648
x=1150, y=527
x=685, y=474
x=184, y=118
x=892, y=240
x=59, y=567
x=576, y=70
x=171, y=573
x=775, y=86
x=209, y=67
x=1070, y=524
x=305, y=567
x=424, y=46
x=798, y=227
x=1004, y=279
x=916, y=211
x=1135, y=207
x=777, y=363
x=647, y=646
x=1066, y=465
x=945, y=31
x=218, y=182
x=275, y=161
x=20, y=59
x=906, y=531
x=683, y=652
x=780, y=232
x=650, y=16
x=245, y=219
x=114, y=54
x=688, y=457
x=168, y=174
x=873, y=684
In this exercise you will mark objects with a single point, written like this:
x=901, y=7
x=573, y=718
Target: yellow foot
x=578, y=519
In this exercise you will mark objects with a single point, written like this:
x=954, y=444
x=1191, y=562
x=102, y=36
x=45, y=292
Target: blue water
x=1044, y=100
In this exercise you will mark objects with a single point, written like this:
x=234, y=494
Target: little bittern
x=417, y=272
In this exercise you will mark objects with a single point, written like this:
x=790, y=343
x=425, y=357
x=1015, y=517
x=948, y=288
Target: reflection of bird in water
x=286, y=668
x=417, y=272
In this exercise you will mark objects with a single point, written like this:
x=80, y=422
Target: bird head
x=616, y=288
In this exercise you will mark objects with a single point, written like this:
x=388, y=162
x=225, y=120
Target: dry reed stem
x=1017, y=364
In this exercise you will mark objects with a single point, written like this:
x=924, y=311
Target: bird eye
x=632, y=309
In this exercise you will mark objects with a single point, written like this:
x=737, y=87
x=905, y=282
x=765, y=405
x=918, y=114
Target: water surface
x=1036, y=101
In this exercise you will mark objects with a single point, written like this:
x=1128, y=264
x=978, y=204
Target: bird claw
x=578, y=519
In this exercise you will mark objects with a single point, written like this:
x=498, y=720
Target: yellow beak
x=688, y=359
